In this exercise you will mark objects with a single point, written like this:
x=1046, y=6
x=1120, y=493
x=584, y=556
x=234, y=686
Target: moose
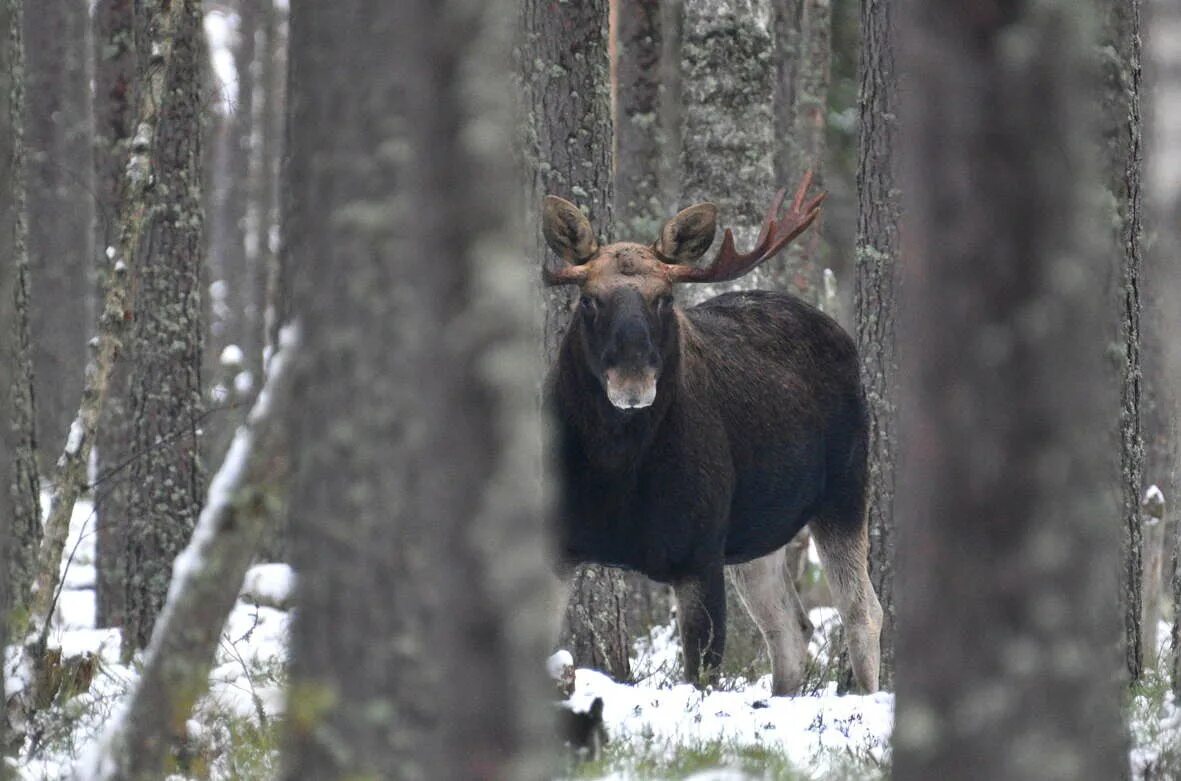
x=688, y=439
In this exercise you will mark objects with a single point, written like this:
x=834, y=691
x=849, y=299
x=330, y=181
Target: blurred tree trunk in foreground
x=114, y=115
x=1006, y=662
x=416, y=516
x=1121, y=131
x=567, y=151
x=167, y=481
x=1164, y=189
x=60, y=210
x=875, y=303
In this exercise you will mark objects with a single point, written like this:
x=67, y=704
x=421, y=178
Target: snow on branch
x=207, y=577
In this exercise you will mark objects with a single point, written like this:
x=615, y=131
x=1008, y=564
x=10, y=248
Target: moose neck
x=613, y=438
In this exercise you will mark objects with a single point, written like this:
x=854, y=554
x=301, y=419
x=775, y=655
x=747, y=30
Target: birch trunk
x=1006, y=499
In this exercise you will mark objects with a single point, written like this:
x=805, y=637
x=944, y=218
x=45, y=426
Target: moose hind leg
x=844, y=554
x=701, y=612
x=766, y=590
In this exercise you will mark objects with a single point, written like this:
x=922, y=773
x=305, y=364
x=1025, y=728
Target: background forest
x=272, y=335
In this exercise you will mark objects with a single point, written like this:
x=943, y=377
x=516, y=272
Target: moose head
x=626, y=320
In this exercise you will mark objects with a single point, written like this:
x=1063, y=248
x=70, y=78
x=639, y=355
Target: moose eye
x=587, y=306
x=664, y=304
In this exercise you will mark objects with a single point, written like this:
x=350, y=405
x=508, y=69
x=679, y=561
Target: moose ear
x=567, y=230
x=687, y=236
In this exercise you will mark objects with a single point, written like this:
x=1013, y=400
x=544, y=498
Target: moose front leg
x=701, y=610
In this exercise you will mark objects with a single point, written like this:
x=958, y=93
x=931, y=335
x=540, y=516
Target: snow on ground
x=660, y=716
x=819, y=734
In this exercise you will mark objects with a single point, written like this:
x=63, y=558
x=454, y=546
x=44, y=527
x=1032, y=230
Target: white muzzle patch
x=631, y=391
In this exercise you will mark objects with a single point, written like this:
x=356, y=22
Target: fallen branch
x=206, y=580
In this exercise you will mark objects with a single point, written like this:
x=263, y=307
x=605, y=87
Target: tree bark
x=114, y=117
x=1164, y=191
x=60, y=211
x=142, y=742
x=727, y=89
x=639, y=133
x=22, y=483
x=877, y=251
x=12, y=251
x=416, y=523
x=167, y=481
x=567, y=151
x=1006, y=493
x=803, y=38
x=1122, y=142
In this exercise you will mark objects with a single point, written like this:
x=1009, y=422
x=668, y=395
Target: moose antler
x=774, y=236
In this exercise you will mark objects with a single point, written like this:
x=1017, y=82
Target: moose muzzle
x=631, y=389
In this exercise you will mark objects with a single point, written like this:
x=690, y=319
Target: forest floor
x=657, y=728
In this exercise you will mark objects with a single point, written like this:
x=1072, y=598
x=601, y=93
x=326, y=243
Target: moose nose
x=631, y=390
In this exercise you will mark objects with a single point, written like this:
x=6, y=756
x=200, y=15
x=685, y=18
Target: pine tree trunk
x=167, y=481
x=727, y=127
x=878, y=215
x=1006, y=492
x=417, y=536
x=22, y=483
x=803, y=37
x=60, y=211
x=11, y=251
x=232, y=327
x=802, y=50
x=114, y=116
x=1122, y=142
x=639, y=133
x=270, y=103
x=568, y=153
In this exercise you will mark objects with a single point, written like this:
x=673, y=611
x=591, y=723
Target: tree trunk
x=878, y=214
x=1122, y=142
x=1006, y=492
x=727, y=127
x=233, y=330
x=143, y=742
x=167, y=482
x=22, y=482
x=60, y=211
x=12, y=252
x=1164, y=189
x=269, y=300
x=802, y=49
x=639, y=134
x=114, y=116
x=803, y=38
x=568, y=153
x=416, y=532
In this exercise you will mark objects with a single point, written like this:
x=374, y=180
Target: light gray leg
x=766, y=590
x=846, y=565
